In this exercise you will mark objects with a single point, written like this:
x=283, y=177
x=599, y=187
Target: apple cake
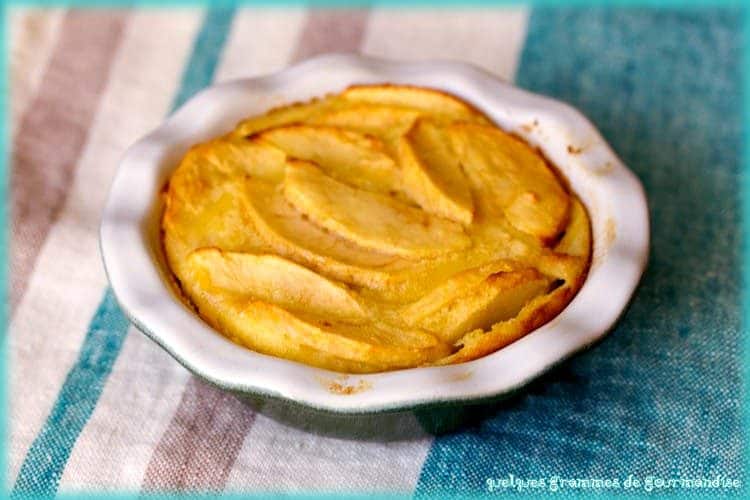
x=381, y=228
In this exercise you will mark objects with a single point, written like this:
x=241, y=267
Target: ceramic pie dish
x=135, y=264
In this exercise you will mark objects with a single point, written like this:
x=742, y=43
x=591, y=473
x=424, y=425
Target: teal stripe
x=45, y=461
x=662, y=395
x=201, y=68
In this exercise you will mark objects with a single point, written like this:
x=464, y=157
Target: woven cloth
x=96, y=406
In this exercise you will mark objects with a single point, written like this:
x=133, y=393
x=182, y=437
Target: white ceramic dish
x=613, y=195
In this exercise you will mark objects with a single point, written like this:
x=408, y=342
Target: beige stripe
x=198, y=449
x=291, y=449
x=33, y=36
x=331, y=30
x=490, y=38
x=200, y=446
x=53, y=131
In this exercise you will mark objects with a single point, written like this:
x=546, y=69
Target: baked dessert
x=385, y=227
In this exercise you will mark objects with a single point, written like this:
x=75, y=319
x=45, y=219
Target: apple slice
x=432, y=175
x=350, y=157
x=286, y=231
x=212, y=162
x=199, y=210
x=275, y=280
x=384, y=122
x=577, y=238
x=270, y=329
x=533, y=315
x=282, y=229
x=476, y=299
x=370, y=220
x=510, y=180
x=426, y=100
x=285, y=115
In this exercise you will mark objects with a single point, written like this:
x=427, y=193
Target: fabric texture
x=661, y=395
x=96, y=406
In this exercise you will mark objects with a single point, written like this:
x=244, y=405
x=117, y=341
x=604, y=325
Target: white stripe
x=33, y=37
x=68, y=281
x=489, y=38
x=289, y=449
x=261, y=42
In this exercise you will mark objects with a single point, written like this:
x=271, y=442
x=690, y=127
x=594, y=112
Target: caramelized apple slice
x=511, y=180
x=347, y=156
x=370, y=220
x=384, y=122
x=570, y=257
x=432, y=175
x=270, y=329
x=199, y=210
x=534, y=314
x=212, y=162
x=422, y=99
x=286, y=231
x=275, y=280
x=577, y=238
x=476, y=299
x=285, y=115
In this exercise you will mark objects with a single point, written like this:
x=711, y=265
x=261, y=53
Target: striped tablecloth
x=94, y=405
